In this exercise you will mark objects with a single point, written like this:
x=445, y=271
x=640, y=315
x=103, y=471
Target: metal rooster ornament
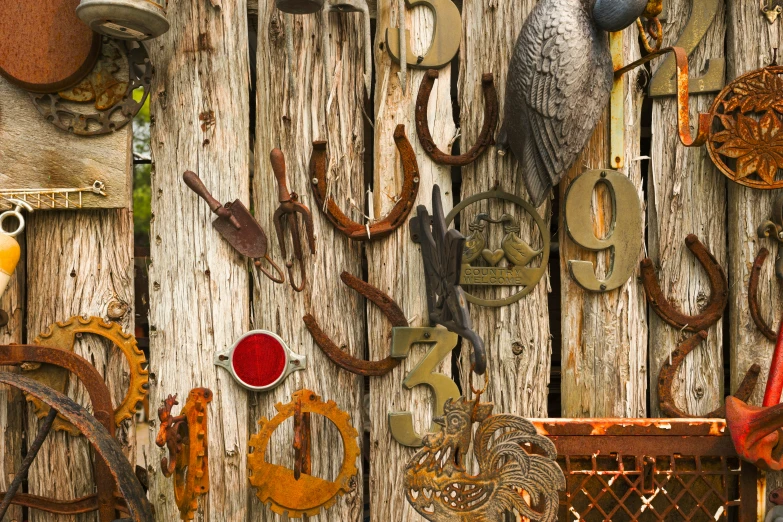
x=559, y=81
x=509, y=478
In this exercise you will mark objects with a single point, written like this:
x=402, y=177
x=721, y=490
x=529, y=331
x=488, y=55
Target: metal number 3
x=702, y=14
x=625, y=234
x=445, y=39
x=443, y=388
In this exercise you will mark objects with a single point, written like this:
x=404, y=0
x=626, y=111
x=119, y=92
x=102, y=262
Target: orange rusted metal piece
x=63, y=335
x=486, y=137
x=397, y=215
x=671, y=368
x=278, y=486
x=683, y=97
x=185, y=437
x=388, y=307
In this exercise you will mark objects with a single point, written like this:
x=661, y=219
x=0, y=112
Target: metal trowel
x=237, y=226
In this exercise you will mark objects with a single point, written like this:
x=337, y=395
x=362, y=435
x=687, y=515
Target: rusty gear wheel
x=63, y=336
x=276, y=485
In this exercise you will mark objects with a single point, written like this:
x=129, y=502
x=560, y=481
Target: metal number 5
x=702, y=14
x=625, y=234
x=445, y=39
x=443, y=388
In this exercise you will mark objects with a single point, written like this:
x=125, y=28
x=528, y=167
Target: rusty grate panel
x=651, y=470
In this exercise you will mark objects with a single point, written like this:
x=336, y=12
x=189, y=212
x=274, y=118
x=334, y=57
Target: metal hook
x=397, y=215
x=485, y=138
x=753, y=303
x=388, y=307
x=289, y=207
x=280, y=275
x=671, y=367
x=719, y=294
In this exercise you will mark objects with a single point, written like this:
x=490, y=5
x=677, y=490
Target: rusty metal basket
x=651, y=470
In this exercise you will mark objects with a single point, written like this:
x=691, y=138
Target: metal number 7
x=443, y=388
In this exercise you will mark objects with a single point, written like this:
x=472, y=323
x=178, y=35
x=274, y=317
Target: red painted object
x=259, y=360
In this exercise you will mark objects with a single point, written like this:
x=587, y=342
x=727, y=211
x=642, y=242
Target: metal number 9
x=625, y=234
x=445, y=39
x=443, y=388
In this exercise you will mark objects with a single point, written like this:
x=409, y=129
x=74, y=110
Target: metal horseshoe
x=753, y=303
x=344, y=360
x=397, y=215
x=670, y=369
x=719, y=291
x=486, y=137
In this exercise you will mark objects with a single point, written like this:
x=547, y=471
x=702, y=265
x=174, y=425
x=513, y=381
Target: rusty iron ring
x=719, y=294
x=397, y=215
x=485, y=138
x=100, y=398
x=52, y=106
x=109, y=449
x=669, y=371
x=753, y=303
x=344, y=360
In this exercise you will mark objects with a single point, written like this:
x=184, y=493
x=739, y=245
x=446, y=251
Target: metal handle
x=195, y=184
x=277, y=159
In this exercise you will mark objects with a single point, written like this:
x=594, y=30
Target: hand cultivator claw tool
x=289, y=207
x=757, y=433
x=237, y=226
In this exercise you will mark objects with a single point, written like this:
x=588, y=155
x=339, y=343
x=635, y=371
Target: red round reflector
x=259, y=360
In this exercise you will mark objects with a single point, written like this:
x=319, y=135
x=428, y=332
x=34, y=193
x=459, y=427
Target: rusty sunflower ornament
x=746, y=142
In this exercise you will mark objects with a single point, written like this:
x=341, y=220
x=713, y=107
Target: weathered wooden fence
x=203, y=295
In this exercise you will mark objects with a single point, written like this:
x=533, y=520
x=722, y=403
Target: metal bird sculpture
x=516, y=250
x=440, y=489
x=441, y=252
x=559, y=82
x=476, y=241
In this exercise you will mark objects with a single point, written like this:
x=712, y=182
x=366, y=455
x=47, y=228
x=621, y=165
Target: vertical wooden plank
x=604, y=356
x=394, y=263
x=292, y=124
x=750, y=44
x=12, y=402
x=517, y=337
x=686, y=194
x=79, y=263
x=199, y=288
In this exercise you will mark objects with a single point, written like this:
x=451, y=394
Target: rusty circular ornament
x=746, y=136
x=113, y=108
x=63, y=335
x=276, y=485
x=260, y=360
x=531, y=275
x=44, y=47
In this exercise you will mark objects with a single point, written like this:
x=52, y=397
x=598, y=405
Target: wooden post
x=751, y=42
x=292, y=123
x=686, y=195
x=394, y=263
x=199, y=288
x=604, y=334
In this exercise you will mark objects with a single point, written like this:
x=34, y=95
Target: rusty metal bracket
x=375, y=229
x=485, y=138
x=753, y=290
x=671, y=367
x=388, y=307
x=719, y=291
x=63, y=335
x=278, y=486
x=185, y=437
x=289, y=207
x=113, y=109
x=683, y=97
x=109, y=449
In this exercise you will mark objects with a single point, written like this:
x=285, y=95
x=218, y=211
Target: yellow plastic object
x=9, y=258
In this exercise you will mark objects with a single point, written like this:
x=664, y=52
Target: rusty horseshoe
x=719, y=295
x=348, y=362
x=397, y=215
x=485, y=138
x=670, y=369
x=753, y=303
